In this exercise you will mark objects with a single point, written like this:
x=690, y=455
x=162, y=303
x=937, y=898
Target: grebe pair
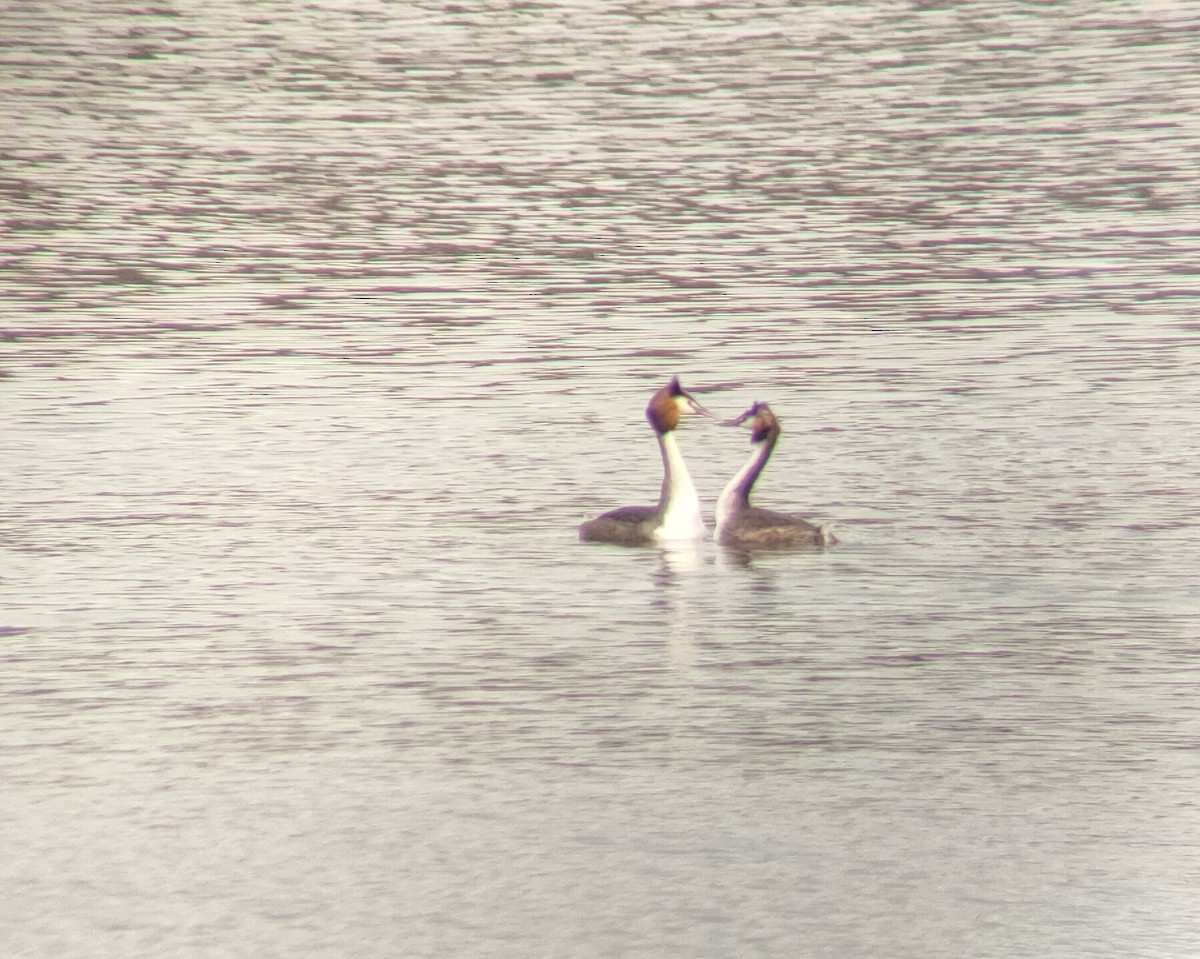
x=677, y=516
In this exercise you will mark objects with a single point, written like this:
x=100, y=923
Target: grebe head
x=759, y=420
x=670, y=403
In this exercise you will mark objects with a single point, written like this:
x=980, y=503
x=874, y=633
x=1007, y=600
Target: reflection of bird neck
x=736, y=496
x=678, y=505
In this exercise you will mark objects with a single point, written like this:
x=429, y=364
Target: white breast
x=682, y=519
x=726, y=507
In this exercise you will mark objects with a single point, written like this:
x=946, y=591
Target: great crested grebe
x=677, y=515
x=739, y=523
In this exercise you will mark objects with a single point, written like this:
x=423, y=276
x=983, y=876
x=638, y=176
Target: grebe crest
x=670, y=403
x=759, y=420
x=739, y=523
x=677, y=516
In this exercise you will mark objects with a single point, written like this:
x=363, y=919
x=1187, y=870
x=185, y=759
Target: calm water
x=325, y=324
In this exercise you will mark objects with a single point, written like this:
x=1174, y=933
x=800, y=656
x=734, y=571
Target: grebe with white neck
x=677, y=517
x=739, y=523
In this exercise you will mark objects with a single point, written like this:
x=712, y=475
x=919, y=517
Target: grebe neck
x=736, y=496
x=678, y=504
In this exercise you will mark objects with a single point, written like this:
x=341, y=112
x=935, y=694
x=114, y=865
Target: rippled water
x=323, y=327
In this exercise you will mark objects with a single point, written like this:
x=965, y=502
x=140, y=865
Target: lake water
x=325, y=324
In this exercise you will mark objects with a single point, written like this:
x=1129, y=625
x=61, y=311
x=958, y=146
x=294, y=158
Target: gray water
x=325, y=324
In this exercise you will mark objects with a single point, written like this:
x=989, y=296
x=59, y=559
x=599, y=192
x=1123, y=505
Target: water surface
x=325, y=326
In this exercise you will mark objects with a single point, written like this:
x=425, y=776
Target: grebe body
x=677, y=516
x=739, y=523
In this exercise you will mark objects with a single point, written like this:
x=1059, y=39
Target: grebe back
x=739, y=523
x=677, y=515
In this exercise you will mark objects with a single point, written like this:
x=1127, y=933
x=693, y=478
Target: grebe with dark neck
x=739, y=523
x=677, y=516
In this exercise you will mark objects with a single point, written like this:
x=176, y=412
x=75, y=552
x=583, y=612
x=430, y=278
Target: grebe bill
x=677, y=516
x=739, y=523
